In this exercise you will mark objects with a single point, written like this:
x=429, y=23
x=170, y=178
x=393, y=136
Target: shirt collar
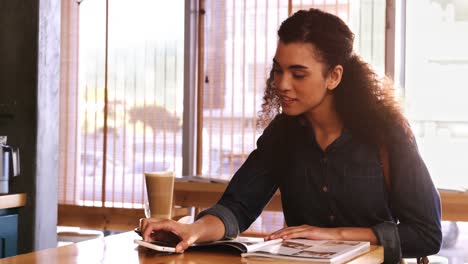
x=345, y=136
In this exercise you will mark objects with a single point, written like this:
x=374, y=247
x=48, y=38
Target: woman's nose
x=283, y=83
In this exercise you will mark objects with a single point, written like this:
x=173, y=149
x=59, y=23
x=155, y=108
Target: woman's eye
x=298, y=76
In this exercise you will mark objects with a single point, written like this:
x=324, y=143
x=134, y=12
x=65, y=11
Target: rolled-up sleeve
x=226, y=216
x=388, y=237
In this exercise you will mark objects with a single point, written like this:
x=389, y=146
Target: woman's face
x=300, y=81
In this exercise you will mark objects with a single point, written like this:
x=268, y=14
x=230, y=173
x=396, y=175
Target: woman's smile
x=287, y=101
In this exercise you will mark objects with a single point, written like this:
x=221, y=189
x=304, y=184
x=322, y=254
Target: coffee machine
x=9, y=164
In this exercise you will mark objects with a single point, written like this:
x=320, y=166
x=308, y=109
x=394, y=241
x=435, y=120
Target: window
x=434, y=61
x=435, y=87
x=123, y=111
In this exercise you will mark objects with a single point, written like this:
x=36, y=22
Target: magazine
x=326, y=251
x=243, y=244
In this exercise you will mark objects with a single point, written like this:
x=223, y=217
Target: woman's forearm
x=209, y=228
x=357, y=233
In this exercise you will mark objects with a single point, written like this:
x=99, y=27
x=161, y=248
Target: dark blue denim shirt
x=342, y=186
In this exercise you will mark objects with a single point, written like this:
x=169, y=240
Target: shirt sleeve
x=253, y=185
x=388, y=237
x=415, y=203
x=231, y=226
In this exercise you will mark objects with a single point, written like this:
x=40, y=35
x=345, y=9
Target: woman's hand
x=325, y=233
x=169, y=231
x=306, y=231
x=207, y=228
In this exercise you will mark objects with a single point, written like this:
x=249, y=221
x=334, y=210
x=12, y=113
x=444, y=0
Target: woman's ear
x=334, y=77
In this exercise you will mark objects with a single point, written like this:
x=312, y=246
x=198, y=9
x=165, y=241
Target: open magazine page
x=320, y=251
x=244, y=244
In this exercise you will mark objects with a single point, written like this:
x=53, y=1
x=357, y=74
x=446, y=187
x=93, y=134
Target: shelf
x=12, y=200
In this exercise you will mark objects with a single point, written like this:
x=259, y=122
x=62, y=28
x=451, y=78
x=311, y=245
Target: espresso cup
x=160, y=190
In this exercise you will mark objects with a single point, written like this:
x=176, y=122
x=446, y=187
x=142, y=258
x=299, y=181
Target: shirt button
x=332, y=218
x=325, y=188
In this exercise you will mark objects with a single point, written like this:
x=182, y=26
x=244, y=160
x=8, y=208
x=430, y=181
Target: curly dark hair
x=365, y=102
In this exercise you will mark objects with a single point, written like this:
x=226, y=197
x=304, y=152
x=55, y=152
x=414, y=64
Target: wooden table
x=121, y=249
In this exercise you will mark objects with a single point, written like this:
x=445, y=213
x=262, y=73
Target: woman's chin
x=291, y=112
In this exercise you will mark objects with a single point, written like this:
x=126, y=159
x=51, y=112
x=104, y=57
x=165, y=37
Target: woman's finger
x=298, y=233
x=288, y=230
x=313, y=233
x=184, y=244
x=154, y=226
x=143, y=224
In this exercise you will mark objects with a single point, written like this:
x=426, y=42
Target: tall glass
x=160, y=192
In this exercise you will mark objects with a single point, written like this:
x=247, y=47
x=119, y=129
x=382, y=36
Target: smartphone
x=163, y=237
x=156, y=245
x=137, y=230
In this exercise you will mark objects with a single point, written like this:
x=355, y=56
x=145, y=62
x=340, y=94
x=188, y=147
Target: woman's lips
x=287, y=101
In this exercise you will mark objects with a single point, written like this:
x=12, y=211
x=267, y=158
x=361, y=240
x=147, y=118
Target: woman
x=323, y=150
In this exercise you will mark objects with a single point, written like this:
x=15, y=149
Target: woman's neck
x=327, y=126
